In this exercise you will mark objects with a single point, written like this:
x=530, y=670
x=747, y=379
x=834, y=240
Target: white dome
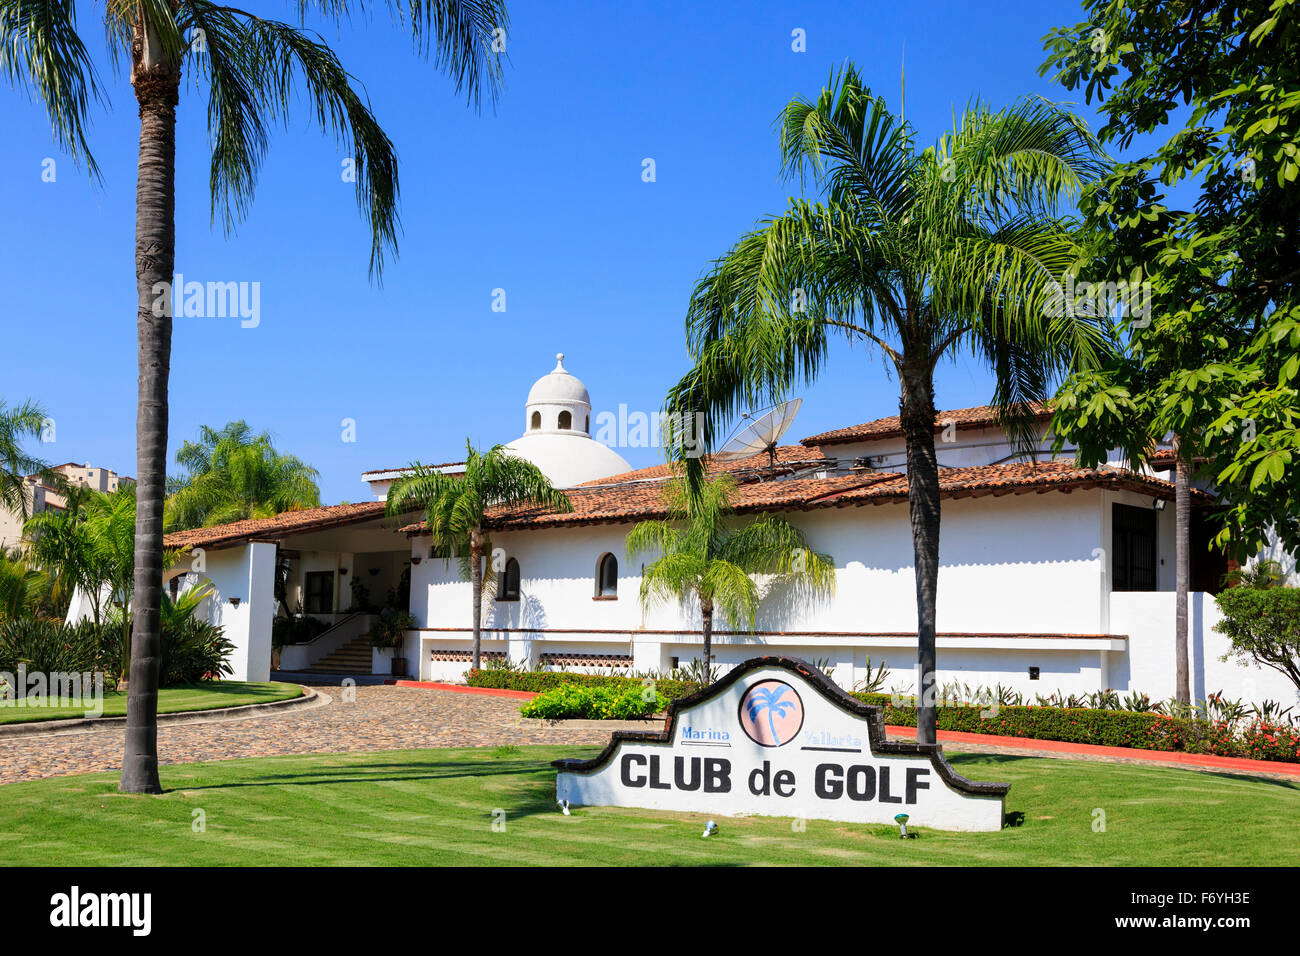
x=559, y=388
x=557, y=432
x=571, y=459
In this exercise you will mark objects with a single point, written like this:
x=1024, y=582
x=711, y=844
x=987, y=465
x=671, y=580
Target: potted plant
x=388, y=632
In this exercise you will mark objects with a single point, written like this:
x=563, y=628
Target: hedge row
x=1079, y=725
x=538, y=681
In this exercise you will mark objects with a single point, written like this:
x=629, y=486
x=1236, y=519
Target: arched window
x=566, y=419
x=535, y=422
x=607, y=576
x=509, y=590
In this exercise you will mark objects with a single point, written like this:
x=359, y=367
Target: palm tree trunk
x=1182, y=568
x=476, y=586
x=157, y=89
x=706, y=615
x=917, y=421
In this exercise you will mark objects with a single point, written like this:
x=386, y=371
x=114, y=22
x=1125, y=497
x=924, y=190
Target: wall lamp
x=234, y=602
x=416, y=560
x=1160, y=504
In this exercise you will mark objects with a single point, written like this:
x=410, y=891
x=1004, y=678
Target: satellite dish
x=757, y=435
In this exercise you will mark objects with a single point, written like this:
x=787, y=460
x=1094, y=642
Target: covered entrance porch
x=298, y=593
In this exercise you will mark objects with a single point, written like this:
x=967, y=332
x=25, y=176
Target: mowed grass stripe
x=430, y=807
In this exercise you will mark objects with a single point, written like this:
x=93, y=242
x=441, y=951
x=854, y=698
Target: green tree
x=233, y=474
x=1214, y=88
x=456, y=509
x=16, y=465
x=704, y=557
x=253, y=70
x=23, y=588
x=93, y=550
x=918, y=254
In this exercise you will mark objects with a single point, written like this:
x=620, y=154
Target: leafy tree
x=456, y=507
x=703, y=557
x=1263, y=625
x=253, y=70
x=233, y=474
x=1214, y=363
x=917, y=254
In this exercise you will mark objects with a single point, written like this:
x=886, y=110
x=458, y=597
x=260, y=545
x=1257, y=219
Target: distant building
x=42, y=497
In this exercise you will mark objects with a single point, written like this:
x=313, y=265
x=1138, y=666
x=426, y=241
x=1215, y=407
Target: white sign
x=776, y=738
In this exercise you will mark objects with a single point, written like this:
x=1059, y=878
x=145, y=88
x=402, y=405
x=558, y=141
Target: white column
x=245, y=573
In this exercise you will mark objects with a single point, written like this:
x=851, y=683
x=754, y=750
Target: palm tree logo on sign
x=771, y=713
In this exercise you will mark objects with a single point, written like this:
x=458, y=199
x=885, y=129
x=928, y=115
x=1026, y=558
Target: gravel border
x=89, y=725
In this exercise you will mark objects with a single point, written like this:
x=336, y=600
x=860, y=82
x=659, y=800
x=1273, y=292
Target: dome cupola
x=557, y=432
x=558, y=402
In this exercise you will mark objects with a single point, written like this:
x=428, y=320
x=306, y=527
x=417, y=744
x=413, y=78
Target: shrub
x=595, y=703
x=389, y=629
x=46, y=646
x=1263, y=625
x=538, y=681
x=193, y=651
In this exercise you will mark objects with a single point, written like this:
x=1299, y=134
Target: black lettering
x=717, y=775
x=884, y=788
x=760, y=779
x=679, y=773
x=783, y=783
x=626, y=770
x=914, y=783
x=862, y=782
x=826, y=783
x=655, y=782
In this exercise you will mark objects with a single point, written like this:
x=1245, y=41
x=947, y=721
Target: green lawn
x=171, y=700
x=433, y=807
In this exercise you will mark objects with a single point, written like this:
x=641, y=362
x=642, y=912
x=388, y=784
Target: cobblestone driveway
x=380, y=718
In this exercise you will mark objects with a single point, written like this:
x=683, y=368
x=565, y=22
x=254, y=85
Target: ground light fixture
x=710, y=828
x=901, y=819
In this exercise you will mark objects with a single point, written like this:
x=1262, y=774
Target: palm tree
x=456, y=506
x=93, y=550
x=703, y=558
x=916, y=254
x=253, y=69
x=16, y=423
x=231, y=475
x=23, y=588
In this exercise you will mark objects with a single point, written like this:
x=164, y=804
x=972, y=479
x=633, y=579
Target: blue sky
x=543, y=198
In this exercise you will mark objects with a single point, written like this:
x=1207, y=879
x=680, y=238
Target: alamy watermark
x=1096, y=299
x=84, y=690
x=210, y=300
x=681, y=432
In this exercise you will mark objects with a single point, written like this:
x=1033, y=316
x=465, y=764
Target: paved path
x=379, y=718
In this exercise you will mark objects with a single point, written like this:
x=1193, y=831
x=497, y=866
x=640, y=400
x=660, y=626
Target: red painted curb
x=463, y=689
x=1134, y=753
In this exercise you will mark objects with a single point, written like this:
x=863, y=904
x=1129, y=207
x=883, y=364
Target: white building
x=1052, y=577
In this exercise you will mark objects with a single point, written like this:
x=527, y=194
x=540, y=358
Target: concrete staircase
x=352, y=658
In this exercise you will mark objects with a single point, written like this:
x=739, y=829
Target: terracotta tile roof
x=981, y=416
x=639, y=500
x=289, y=522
